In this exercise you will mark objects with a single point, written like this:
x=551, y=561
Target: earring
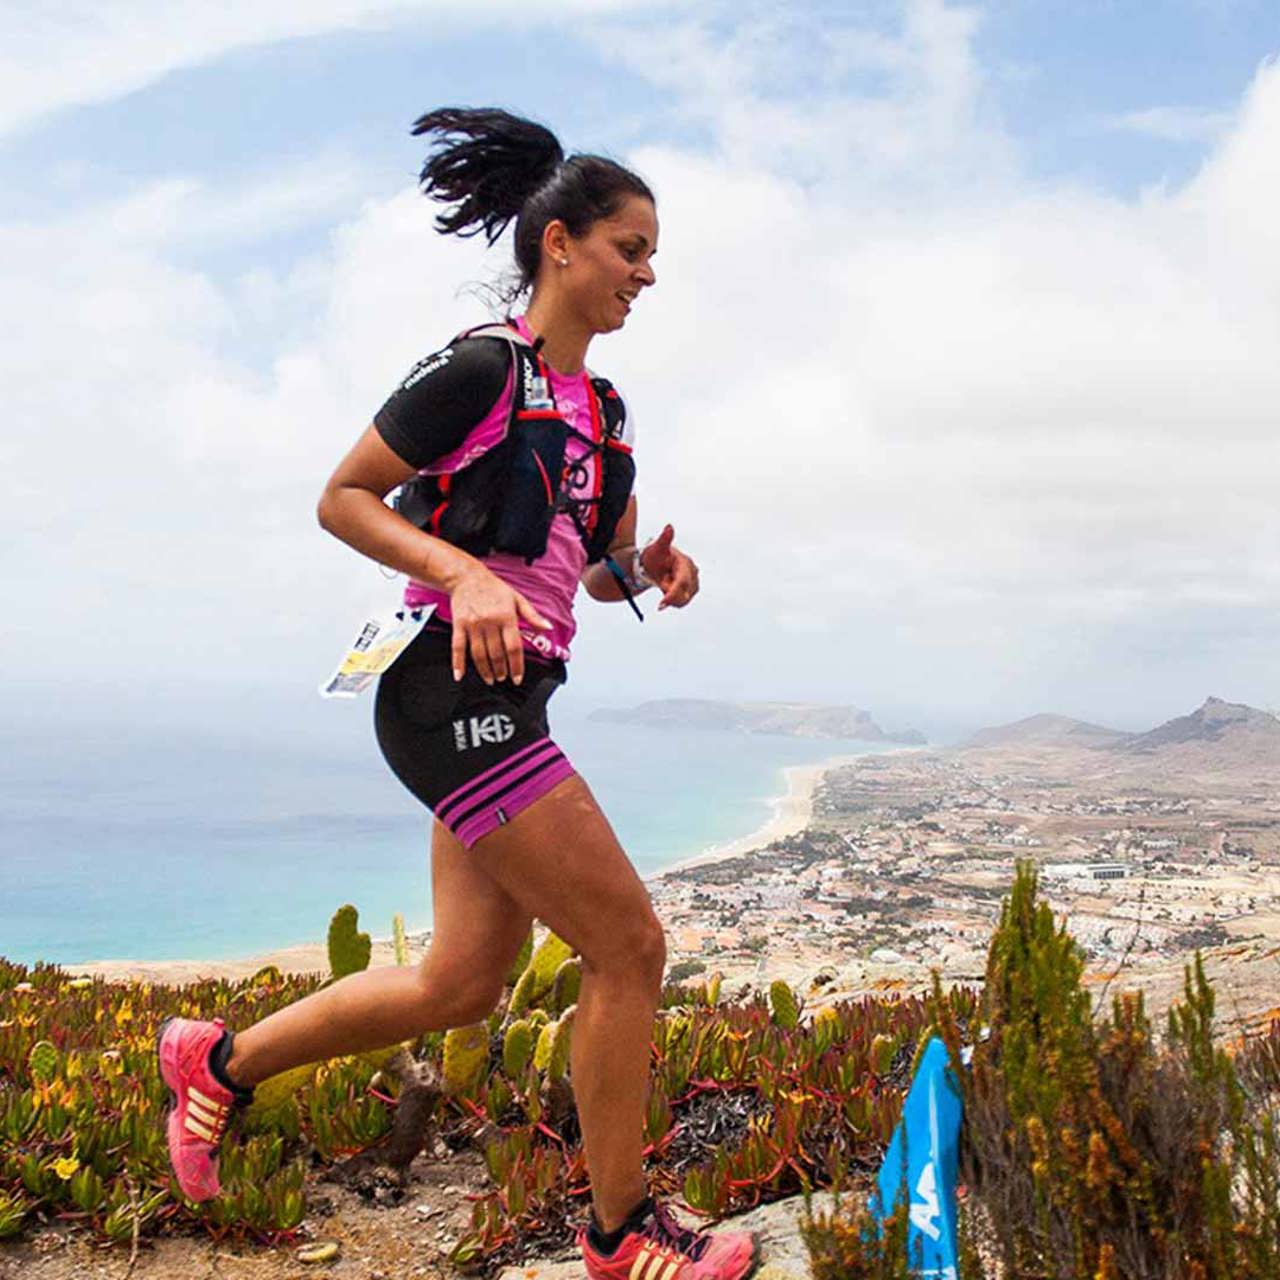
x=564, y=262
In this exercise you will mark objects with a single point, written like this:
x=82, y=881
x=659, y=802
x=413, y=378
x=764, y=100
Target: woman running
x=517, y=469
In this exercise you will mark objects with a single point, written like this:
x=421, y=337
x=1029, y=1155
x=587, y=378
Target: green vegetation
x=742, y=1110
x=683, y=969
x=1092, y=1147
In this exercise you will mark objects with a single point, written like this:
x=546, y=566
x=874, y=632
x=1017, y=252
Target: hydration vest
x=506, y=499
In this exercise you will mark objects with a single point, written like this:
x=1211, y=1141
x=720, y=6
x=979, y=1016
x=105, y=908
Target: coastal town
x=1148, y=852
x=877, y=872
x=880, y=869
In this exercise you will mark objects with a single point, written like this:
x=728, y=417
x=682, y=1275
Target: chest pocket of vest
x=536, y=448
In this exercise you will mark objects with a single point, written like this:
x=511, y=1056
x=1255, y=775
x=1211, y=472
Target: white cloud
x=836, y=103
x=1005, y=441
x=1173, y=124
x=61, y=53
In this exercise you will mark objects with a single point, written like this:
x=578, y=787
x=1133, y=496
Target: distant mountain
x=1217, y=723
x=793, y=719
x=1047, y=730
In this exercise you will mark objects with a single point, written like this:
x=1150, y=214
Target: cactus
x=782, y=1002
x=561, y=1039
x=349, y=950
x=466, y=1050
x=401, y=942
x=882, y=1051
x=542, y=1050
x=517, y=1048
x=536, y=981
x=566, y=985
x=551, y=1055
x=43, y=1062
x=826, y=1027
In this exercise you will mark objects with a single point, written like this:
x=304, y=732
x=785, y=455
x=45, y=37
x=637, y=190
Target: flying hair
x=490, y=167
x=488, y=163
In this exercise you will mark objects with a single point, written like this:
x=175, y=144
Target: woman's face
x=611, y=264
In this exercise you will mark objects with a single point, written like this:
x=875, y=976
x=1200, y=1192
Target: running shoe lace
x=664, y=1228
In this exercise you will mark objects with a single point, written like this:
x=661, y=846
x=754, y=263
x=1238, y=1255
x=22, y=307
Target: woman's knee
x=457, y=996
x=637, y=950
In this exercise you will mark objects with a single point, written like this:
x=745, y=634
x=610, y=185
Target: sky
x=959, y=380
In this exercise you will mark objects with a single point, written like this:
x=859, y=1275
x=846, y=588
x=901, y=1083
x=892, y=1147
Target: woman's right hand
x=486, y=622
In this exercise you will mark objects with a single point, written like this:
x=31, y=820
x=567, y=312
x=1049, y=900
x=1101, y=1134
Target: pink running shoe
x=659, y=1248
x=199, y=1105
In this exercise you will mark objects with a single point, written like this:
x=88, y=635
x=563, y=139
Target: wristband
x=638, y=580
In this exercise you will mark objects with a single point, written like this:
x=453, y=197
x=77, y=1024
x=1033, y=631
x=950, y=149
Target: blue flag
x=923, y=1155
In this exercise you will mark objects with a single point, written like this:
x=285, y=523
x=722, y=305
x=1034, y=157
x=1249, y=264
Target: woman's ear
x=555, y=241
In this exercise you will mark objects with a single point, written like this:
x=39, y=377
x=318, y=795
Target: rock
x=782, y=1253
x=544, y=1271
x=885, y=955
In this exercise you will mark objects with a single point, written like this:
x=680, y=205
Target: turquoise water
x=170, y=846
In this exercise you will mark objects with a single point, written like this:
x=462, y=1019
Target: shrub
x=1093, y=1148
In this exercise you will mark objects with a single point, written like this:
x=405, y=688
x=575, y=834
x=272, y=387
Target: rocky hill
x=1047, y=730
x=1224, y=741
x=793, y=719
x=1230, y=724
x=1228, y=742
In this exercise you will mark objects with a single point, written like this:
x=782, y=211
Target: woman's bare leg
x=560, y=861
x=477, y=932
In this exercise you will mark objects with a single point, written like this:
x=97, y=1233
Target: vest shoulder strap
x=613, y=411
x=524, y=358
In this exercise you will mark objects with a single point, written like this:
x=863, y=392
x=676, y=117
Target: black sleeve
x=443, y=397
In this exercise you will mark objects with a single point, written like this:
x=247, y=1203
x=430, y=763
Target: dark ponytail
x=491, y=167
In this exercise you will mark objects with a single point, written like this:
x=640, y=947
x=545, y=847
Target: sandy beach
x=790, y=814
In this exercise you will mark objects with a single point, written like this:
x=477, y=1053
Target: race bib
x=380, y=641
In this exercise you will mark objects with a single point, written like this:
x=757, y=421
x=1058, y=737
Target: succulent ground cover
x=1094, y=1146
x=751, y=1100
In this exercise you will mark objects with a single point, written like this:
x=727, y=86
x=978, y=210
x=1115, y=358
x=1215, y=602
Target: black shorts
x=474, y=754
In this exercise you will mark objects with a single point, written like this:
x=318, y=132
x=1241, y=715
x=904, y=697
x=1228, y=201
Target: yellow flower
x=66, y=1167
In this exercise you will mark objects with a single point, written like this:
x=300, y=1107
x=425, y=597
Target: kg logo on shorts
x=479, y=729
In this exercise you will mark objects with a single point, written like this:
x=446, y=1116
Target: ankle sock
x=219, y=1056
x=607, y=1242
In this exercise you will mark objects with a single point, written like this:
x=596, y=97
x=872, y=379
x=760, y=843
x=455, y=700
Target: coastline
x=789, y=814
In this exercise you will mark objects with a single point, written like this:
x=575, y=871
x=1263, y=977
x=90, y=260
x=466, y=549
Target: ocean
x=177, y=845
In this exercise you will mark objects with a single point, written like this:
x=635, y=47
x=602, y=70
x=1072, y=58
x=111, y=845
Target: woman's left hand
x=674, y=572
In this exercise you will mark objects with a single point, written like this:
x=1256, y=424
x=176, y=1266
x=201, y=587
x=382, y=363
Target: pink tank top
x=551, y=581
